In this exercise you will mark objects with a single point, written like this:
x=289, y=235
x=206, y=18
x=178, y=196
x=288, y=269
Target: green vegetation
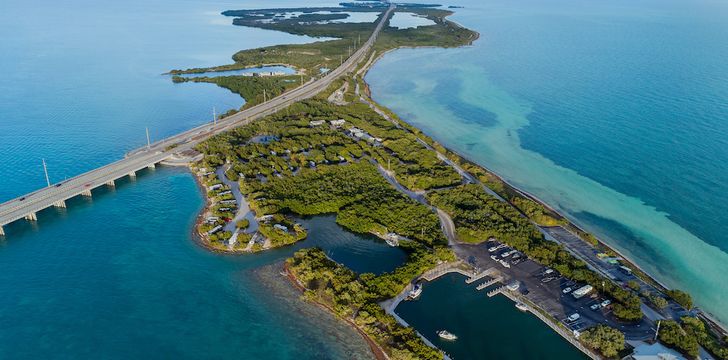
x=479, y=216
x=354, y=297
x=364, y=201
x=282, y=230
x=243, y=224
x=250, y=88
x=658, y=301
x=671, y=334
x=681, y=298
x=694, y=327
x=443, y=33
x=607, y=340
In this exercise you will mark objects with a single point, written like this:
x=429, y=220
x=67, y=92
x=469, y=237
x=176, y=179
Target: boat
x=415, y=292
x=444, y=334
x=521, y=306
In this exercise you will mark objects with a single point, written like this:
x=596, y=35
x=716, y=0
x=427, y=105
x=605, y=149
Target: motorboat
x=446, y=335
x=415, y=292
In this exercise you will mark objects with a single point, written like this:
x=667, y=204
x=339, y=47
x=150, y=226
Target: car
x=58, y=185
x=567, y=290
x=22, y=198
x=547, y=279
x=606, y=303
x=87, y=185
x=573, y=317
x=595, y=307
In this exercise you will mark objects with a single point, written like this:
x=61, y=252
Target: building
x=280, y=227
x=214, y=187
x=316, y=122
x=654, y=351
x=337, y=123
x=214, y=230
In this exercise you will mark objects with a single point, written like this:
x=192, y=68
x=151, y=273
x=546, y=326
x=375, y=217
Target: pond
x=359, y=252
x=409, y=21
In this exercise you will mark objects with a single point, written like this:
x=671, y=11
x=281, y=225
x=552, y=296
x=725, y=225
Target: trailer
x=580, y=292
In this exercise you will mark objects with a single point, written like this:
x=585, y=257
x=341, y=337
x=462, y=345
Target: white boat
x=521, y=306
x=444, y=334
x=415, y=292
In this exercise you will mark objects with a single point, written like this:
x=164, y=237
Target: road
x=28, y=205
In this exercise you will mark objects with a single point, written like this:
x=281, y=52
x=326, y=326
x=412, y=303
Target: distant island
x=341, y=153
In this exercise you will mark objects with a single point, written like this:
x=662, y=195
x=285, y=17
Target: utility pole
x=264, y=95
x=214, y=116
x=45, y=170
x=658, y=329
x=341, y=59
x=149, y=143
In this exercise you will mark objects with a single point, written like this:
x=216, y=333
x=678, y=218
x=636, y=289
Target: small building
x=654, y=351
x=214, y=187
x=280, y=227
x=225, y=192
x=337, y=123
x=265, y=218
x=316, y=122
x=214, y=230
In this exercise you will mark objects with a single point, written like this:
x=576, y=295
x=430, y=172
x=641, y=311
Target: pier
x=489, y=283
x=27, y=206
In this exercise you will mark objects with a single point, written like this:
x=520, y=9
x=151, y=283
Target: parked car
x=606, y=303
x=595, y=307
x=573, y=317
x=567, y=290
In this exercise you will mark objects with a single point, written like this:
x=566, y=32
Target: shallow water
x=614, y=113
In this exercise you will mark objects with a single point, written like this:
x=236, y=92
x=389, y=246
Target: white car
x=606, y=303
x=567, y=290
x=573, y=317
x=595, y=307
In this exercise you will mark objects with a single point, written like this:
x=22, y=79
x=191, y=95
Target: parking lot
x=547, y=291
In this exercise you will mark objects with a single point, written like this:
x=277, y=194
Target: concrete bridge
x=27, y=206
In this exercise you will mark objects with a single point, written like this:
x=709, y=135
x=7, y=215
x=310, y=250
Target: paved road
x=25, y=205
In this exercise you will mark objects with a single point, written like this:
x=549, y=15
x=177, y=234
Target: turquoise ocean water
x=614, y=112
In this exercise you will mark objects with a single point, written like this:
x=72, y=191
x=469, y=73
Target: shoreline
x=377, y=351
x=570, y=223
x=221, y=69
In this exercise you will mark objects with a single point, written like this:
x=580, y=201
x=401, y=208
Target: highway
x=28, y=205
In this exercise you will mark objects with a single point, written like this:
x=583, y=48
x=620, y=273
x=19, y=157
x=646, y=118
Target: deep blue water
x=119, y=275
x=613, y=112
x=487, y=328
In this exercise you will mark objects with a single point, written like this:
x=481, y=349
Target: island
x=342, y=153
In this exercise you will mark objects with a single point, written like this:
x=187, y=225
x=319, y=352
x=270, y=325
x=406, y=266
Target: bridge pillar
x=2, y=232
x=86, y=193
x=152, y=166
x=31, y=217
x=60, y=204
x=111, y=183
x=132, y=174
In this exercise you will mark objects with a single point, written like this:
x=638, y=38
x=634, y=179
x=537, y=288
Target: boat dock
x=489, y=283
